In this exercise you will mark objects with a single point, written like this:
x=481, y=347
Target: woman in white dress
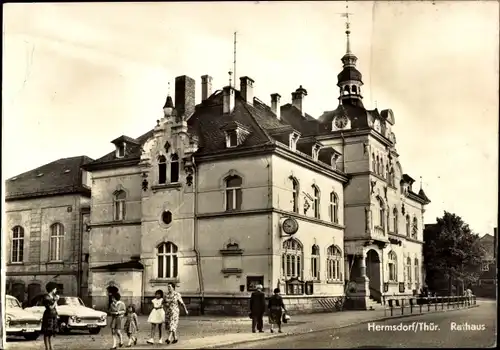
x=157, y=316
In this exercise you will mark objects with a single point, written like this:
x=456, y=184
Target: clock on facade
x=340, y=121
x=290, y=226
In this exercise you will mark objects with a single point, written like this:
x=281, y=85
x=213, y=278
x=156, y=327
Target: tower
x=350, y=79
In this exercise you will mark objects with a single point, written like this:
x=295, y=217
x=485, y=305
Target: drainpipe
x=343, y=151
x=196, y=251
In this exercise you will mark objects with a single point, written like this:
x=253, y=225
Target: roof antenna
x=230, y=80
x=234, y=60
x=347, y=26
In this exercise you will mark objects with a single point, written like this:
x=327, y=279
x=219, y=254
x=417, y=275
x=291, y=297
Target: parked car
x=73, y=314
x=21, y=322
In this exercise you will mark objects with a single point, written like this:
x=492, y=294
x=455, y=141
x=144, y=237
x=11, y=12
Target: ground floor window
x=291, y=259
x=334, y=257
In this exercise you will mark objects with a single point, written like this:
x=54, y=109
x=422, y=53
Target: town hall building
x=231, y=192
x=228, y=193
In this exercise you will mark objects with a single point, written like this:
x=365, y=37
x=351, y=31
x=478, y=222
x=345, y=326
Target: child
x=131, y=326
x=157, y=316
x=117, y=310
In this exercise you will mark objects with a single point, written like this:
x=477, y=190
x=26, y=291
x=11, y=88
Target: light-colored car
x=73, y=314
x=21, y=322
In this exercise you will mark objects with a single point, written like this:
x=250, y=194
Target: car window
x=70, y=301
x=12, y=302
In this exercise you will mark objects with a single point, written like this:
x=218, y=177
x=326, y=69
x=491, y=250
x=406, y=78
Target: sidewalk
x=202, y=332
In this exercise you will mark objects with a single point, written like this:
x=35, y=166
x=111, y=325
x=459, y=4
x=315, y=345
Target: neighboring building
x=230, y=192
x=46, y=210
x=487, y=283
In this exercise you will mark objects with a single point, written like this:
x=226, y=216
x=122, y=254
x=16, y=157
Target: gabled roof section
x=63, y=176
x=305, y=124
x=125, y=139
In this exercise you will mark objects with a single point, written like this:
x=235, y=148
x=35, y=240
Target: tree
x=452, y=253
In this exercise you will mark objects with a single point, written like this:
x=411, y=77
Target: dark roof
x=349, y=73
x=62, y=176
x=129, y=265
x=305, y=124
x=126, y=139
x=422, y=194
x=208, y=123
x=358, y=116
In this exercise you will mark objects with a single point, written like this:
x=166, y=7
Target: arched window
x=414, y=229
x=392, y=265
x=56, y=242
x=354, y=89
x=333, y=259
x=408, y=271
x=316, y=201
x=233, y=192
x=381, y=211
x=417, y=274
x=315, y=262
x=346, y=90
x=291, y=259
x=295, y=195
x=119, y=202
x=408, y=225
x=17, y=244
x=167, y=260
x=377, y=165
x=162, y=170
x=174, y=168
x=334, y=208
x=395, y=219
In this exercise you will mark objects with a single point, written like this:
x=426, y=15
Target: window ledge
x=393, y=282
x=231, y=251
x=16, y=263
x=231, y=271
x=54, y=262
x=163, y=281
x=335, y=282
x=176, y=185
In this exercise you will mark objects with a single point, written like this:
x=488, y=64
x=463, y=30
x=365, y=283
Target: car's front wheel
x=94, y=330
x=31, y=336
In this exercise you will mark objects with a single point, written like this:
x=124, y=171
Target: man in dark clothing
x=257, y=309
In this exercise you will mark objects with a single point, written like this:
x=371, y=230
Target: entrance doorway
x=373, y=273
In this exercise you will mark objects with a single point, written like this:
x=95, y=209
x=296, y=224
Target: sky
x=77, y=75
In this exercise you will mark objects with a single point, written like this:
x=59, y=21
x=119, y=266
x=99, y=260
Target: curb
x=278, y=335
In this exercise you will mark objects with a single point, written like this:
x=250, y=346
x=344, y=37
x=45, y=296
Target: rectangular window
x=392, y=272
x=233, y=199
x=121, y=151
x=160, y=267
x=232, y=138
x=17, y=250
x=315, y=268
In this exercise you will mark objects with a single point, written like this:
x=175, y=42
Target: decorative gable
x=235, y=134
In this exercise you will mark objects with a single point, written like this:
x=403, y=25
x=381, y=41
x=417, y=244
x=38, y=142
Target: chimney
x=298, y=98
x=206, y=87
x=275, y=105
x=184, y=96
x=246, y=89
x=228, y=99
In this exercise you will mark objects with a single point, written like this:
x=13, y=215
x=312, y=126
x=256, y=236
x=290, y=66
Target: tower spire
x=234, y=59
x=347, y=27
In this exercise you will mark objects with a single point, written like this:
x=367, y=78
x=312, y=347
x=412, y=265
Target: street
x=207, y=332
x=359, y=336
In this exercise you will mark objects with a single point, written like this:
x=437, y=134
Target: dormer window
x=334, y=159
x=120, y=150
x=236, y=133
x=315, y=150
x=294, y=138
x=231, y=138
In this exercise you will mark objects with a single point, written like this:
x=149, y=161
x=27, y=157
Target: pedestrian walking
x=157, y=316
x=49, y=318
x=173, y=300
x=276, y=308
x=117, y=311
x=257, y=309
x=131, y=325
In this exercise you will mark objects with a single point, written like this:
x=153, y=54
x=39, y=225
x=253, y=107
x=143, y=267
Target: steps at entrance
x=372, y=304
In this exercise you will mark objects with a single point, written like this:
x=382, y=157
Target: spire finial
x=168, y=91
x=347, y=26
x=230, y=74
x=420, y=182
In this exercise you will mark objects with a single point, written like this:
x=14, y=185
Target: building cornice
x=112, y=164
x=116, y=223
x=406, y=238
x=269, y=211
x=75, y=190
